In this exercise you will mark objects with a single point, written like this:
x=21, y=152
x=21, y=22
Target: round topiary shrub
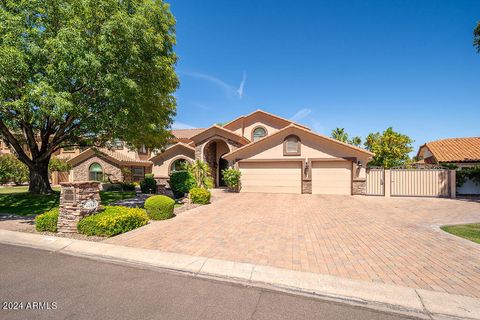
x=159, y=207
x=200, y=196
x=47, y=221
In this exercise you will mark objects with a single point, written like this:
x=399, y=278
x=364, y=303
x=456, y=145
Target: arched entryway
x=212, y=154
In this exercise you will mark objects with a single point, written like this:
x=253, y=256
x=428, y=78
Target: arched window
x=291, y=146
x=258, y=133
x=95, y=172
x=178, y=165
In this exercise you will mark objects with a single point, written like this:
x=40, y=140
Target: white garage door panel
x=271, y=177
x=331, y=177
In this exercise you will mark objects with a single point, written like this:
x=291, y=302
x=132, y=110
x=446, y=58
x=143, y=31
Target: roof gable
x=173, y=148
x=232, y=124
x=115, y=157
x=221, y=131
x=293, y=129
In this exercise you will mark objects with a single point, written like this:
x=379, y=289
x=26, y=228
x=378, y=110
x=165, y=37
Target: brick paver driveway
x=393, y=241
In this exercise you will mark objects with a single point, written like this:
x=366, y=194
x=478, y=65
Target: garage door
x=271, y=177
x=332, y=177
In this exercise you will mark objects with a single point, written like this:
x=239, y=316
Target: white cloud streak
x=242, y=85
x=180, y=125
x=229, y=89
x=301, y=114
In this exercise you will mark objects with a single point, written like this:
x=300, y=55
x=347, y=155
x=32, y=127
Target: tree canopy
x=476, y=37
x=84, y=72
x=339, y=134
x=391, y=148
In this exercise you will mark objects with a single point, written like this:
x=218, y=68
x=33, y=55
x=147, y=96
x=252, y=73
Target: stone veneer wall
x=307, y=187
x=72, y=204
x=359, y=187
x=81, y=171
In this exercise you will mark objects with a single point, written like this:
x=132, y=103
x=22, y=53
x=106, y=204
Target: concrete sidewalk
x=415, y=302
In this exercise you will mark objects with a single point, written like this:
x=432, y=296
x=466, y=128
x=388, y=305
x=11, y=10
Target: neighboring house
x=462, y=152
x=274, y=155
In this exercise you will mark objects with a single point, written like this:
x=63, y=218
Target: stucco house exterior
x=462, y=152
x=274, y=155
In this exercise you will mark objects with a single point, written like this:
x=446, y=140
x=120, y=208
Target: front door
x=222, y=164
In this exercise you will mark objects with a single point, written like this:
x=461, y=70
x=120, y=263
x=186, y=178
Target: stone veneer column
x=77, y=200
x=359, y=186
x=307, y=187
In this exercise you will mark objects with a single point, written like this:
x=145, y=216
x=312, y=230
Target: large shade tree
x=84, y=72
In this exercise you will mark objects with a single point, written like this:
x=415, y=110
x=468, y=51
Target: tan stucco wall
x=272, y=125
x=81, y=171
x=311, y=147
x=161, y=165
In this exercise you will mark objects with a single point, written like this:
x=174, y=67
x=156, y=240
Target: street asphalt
x=48, y=285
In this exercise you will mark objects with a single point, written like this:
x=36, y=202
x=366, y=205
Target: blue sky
x=363, y=65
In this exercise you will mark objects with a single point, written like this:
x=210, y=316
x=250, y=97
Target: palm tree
x=339, y=134
x=201, y=172
x=356, y=141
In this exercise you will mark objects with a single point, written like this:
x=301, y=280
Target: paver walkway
x=394, y=241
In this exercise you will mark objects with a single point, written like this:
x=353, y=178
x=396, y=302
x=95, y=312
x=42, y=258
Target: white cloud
x=181, y=125
x=229, y=89
x=301, y=114
x=242, y=84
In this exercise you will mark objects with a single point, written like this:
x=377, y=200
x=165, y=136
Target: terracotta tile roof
x=120, y=156
x=455, y=149
x=186, y=133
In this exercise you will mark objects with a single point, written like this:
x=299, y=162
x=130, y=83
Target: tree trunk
x=39, y=182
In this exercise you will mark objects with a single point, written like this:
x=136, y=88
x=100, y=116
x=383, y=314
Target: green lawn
x=467, y=231
x=17, y=201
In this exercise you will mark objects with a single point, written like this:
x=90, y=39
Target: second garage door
x=332, y=177
x=271, y=177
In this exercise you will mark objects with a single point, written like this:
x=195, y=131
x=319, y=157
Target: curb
x=419, y=303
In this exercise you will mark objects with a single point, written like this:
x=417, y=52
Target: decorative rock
x=77, y=200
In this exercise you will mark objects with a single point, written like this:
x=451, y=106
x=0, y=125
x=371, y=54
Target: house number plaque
x=69, y=195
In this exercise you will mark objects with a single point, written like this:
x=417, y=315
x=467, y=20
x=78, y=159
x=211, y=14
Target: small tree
x=12, y=170
x=201, y=172
x=339, y=134
x=391, y=148
x=59, y=165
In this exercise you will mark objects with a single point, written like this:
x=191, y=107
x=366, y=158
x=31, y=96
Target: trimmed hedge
x=47, y=221
x=181, y=182
x=159, y=207
x=200, y=196
x=112, y=221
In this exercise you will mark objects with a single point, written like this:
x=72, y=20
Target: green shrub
x=127, y=186
x=111, y=187
x=148, y=185
x=181, y=182
x=200, y=195
x=47, y=221
x=469, y=173
x=231, y=177
x=159, y=207
x=112, y=221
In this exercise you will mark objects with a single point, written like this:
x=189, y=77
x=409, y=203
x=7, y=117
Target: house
x=274, y=155
x=461, y=152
